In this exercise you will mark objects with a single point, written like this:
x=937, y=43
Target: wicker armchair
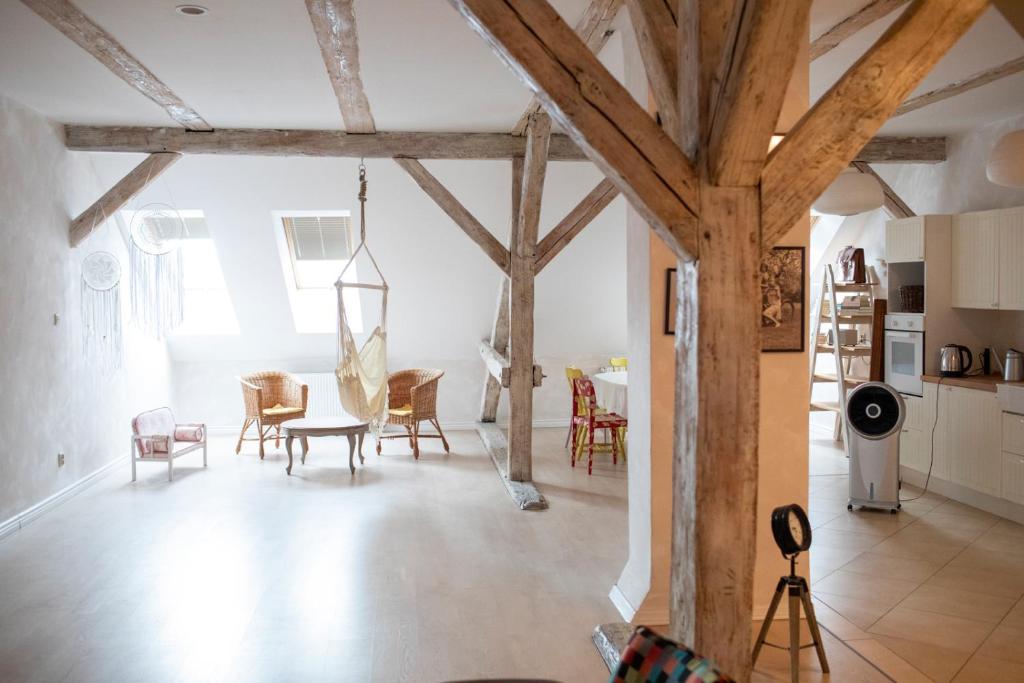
x=412, y=398
x=270, y=399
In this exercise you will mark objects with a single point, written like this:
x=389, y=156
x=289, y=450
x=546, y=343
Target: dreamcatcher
x=363, y=373
x=157, y=271
x=101, y=309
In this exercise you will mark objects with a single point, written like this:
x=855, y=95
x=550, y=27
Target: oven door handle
x=891, y=334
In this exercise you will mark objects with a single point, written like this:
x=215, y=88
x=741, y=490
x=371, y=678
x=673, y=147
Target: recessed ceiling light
x=191, y=10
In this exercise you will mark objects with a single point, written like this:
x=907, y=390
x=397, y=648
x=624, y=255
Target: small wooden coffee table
x=306, y=427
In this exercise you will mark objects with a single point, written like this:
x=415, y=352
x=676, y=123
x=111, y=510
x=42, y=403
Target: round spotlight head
x=191, y=10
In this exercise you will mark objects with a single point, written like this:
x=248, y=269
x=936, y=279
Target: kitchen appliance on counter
x=874, y=416
x=904, y=352
x=952, y=360
x=1013, y=366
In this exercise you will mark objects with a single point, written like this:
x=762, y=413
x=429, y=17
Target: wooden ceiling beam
x=473, y=228
x=1013, y=12
x=963, y=85
x=334, y=23
x=870, y=13
x=827, y=138
x=316, y=143
x=120, y=194
x=755, y=75
x=594, y=29
x=574, y=222
x=615, y=132
x=654, y=24
x=70, y=21
x=893, y=204
x=383, y=145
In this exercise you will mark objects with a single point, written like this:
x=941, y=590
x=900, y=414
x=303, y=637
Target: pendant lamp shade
x=851, y=193
x=1006, y=162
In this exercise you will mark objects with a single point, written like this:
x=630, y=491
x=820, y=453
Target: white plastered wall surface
x=443, y=288
x=53, y=400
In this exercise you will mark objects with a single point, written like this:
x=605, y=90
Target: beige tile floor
x=933, y=593
x=417, y=571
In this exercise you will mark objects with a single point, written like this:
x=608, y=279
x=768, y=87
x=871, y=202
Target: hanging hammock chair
x=363, y=373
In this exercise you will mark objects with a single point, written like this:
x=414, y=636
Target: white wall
x=442, y=287
x=52, y=399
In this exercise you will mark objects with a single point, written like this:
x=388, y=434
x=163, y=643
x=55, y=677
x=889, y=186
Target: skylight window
x=315, y=247
x=208, y=307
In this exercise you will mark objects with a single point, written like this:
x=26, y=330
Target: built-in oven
x=904, y=353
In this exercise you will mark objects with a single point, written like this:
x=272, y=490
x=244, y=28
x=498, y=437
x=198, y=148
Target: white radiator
x=323, y=394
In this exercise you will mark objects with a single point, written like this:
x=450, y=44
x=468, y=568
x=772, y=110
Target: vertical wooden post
x=524, y=253
x=715, y=468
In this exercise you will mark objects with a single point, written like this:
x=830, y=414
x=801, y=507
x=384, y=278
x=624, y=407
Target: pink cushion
x=188, y=432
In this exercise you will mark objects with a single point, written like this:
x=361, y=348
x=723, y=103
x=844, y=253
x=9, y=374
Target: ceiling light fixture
x=1006, y=162
x=191, y=10
x=852, y=192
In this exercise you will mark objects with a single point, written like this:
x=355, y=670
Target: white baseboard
x=21, y=519
x=622, y=604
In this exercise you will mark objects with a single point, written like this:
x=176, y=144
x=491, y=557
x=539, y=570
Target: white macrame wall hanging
x=101, y=310
x=157, y=284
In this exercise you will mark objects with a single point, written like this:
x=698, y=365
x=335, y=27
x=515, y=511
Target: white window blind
x=318, y=238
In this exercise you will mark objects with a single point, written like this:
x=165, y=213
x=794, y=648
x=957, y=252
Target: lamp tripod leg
x=812, y=624
x=794, y=634
x=776, y=599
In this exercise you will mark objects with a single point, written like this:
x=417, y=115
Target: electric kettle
x=952, y=362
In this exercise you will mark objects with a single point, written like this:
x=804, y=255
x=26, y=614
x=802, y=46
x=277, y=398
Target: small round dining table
x=611, y=391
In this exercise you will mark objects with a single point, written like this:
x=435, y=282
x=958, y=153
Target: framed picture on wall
x=671, y=297
x=782, y=300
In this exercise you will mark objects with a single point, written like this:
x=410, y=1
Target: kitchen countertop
x=981, y=382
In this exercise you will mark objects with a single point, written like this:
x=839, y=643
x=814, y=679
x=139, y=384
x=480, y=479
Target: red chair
x=592, y=419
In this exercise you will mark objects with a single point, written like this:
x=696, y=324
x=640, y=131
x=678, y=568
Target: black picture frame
x=784, y=300
x=671, y=297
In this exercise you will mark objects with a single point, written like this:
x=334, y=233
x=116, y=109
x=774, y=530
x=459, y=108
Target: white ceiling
x=256, y=64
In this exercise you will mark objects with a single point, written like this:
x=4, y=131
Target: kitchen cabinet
x=975, y=276
x=988, y=251
x=971, y=438
x=916, y=435
x=904, y=240
x=1013, y=477
x=967, y=437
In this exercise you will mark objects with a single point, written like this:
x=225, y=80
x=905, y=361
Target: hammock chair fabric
x=363, y=373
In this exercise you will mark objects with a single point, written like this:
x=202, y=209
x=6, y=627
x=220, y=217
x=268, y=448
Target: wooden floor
x=935, y=593
x=418, y=571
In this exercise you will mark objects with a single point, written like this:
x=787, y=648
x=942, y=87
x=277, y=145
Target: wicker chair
x=412, y=398
x=271, y=398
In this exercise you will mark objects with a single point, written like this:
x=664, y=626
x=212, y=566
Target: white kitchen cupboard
x=975, y=274
x=1013, y=458
x=916, y=435
x=904, y=240
x=971, y=443
x=1010, y=224
x=988, y=251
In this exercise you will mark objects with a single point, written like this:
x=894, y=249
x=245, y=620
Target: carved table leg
x=361, y=435
x=305, y=447
x=351, y=451
x=288, y=447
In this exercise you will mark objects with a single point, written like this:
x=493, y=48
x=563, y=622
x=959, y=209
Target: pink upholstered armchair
x=156, y=437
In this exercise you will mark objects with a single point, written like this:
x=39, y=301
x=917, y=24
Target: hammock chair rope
x=362, y=373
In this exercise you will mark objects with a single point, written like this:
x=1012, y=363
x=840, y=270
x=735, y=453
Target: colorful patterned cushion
x=189, y=432
x=650, y=658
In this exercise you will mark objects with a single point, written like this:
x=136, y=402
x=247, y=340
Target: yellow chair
x=618, y=363
x=572, y=373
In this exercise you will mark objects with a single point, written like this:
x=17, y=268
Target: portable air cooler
x=874, y=415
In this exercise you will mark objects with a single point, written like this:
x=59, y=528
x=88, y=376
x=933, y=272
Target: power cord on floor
x=931, y=459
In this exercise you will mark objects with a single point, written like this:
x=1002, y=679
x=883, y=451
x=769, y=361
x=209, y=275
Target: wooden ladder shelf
x=836, y=319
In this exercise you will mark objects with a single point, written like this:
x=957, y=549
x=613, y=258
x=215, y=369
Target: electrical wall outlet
x=60, y=460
